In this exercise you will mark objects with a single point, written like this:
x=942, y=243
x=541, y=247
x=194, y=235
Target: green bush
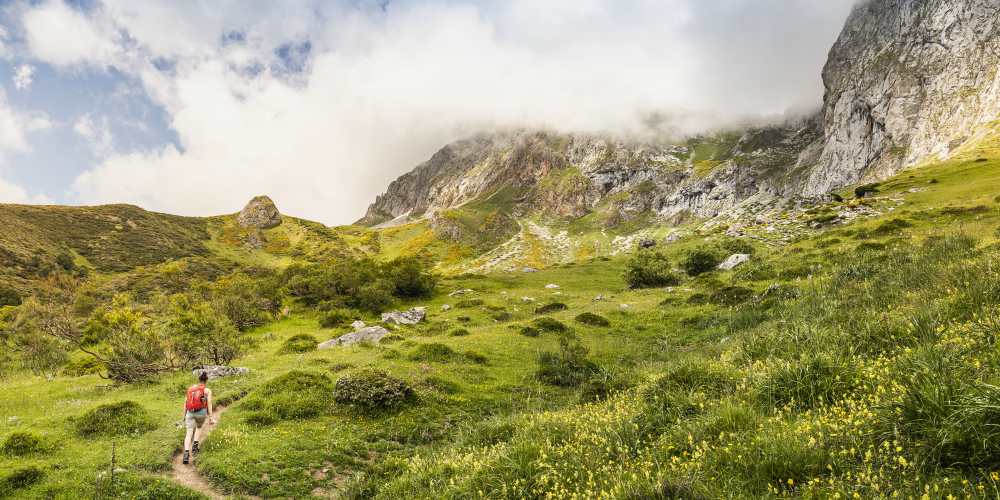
x=294, y=395
x=708, y=377
x=551, y=308
x=701, y=260
x=299, y=343
x=808, y=383
x=547, y=324
x=458, y=332
x=335, y=318
x=475, y=357
x=731, y=296
x=372, y=390
x=529, y=331
x=469, y=303
x=603, y=384
x=502, y=316
x=433, y=353
x=649, y=269
x=21, y=478
x=866, y=189
x=592, y=319
x=9, y=296
x=81, y=366
x=410, y=278
x=737, y=245
x=115, y=419
x=19, y=444
x=569, y=367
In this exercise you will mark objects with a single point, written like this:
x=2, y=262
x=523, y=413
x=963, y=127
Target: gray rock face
x=733, y=261
x=907, y=80
x=411, y=317
x=371, y=334
x=219, y=371
x=260, y=213
x=357, y=325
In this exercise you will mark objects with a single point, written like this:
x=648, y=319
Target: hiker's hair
x=203, y=377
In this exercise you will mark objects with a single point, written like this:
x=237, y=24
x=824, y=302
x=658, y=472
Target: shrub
x=737, y=245
x=700, y=261
x=502, y=316
x=410, y=278
x=458, y=332
x=697, y=376
x=731, y=296
x=20, y=444
x=603, y=384
x=649, y=269
x=464, y=319
x=372, y=390
x=294, y=395
x=697, y=299
x=569, y=367
x=469, y=303
x=22, y=478
x=83, y=366
x=115, y=419
x=808, y=383
x=592, y=319
x=529, y=331
x=475, y=357
x=201, y=334
x=9, y=296
x=299, y=343
x=551, y=308
x=866, y=189
x=335, y=318
x=547, y=324
x=433, y=352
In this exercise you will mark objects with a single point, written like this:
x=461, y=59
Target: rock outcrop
x=410, y=317
x=907, y=81
x=219, y=371
x=371, y=334
x=259, y=213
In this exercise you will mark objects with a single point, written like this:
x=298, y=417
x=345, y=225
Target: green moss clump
x=293, y=396
x=551, y=308
x=592, y=319
x=20, y=444
x=550, y=325
x=21, y=478
x=529, y=331
x=468, y=303
x=434, y=353
x=458, y=332
x=115, y=419
x=372, y=391
x=300, y=343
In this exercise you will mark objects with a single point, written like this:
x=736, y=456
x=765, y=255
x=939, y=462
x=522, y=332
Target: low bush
x=551, y=308
x=79, y=367
x=602, y=384
x=731, y=296
x=432, y=353
x=372, y=390
x=337, y=317
x=737, y=245
x=649, y=269
x=529, y=331
x=568, y=367
x=20, y=479
x=701, y=260
x=502, y=316
x=475, y=357
x=469, y=303
x=703, y=376
x=299, y=343
x=458, y=332
x=292, y=396
x=547, y=324
x=19, y=444
x=592, y=319
x=115, y=419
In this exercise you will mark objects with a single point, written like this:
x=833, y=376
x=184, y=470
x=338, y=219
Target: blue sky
x=193, y=107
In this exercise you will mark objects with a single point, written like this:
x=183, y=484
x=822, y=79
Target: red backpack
x=196, y=398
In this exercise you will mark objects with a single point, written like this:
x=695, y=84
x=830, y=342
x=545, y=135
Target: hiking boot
x=195, y=448
x=187, y=458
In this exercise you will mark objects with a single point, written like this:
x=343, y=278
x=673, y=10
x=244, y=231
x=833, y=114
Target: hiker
x=197, y=408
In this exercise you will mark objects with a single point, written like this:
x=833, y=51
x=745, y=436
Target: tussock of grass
x=115, y=419
x=294, y=395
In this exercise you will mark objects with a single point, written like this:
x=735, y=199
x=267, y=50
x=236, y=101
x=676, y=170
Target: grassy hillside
x=859, y=359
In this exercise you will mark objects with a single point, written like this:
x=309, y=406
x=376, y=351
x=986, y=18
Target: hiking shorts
x=195, y=419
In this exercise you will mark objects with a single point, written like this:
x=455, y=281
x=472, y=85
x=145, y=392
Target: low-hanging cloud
x=375, y=88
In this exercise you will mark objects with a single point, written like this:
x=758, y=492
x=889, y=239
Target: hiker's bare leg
x=187, y=438
x=197, y=434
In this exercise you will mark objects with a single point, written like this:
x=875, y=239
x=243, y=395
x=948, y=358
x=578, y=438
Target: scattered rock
x=552, y=286
x=528, y=270
x=411, y=317
x=446, y=307
x=623, y=306
x=599, y=298
x=219, y=371
x=733, y=261
x=672, y=237
x=527, y=299
x=459, y=293
x=368, y=334
x=357, y=325
x=260, y=213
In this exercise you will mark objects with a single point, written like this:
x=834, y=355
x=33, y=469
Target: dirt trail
x=187, y=475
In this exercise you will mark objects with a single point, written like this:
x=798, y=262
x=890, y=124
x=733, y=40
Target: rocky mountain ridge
x=906, y=81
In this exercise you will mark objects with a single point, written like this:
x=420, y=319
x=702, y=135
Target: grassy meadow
x=859, y=360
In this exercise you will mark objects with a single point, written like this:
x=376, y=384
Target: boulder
x=371, y=334
x=527, y=299
x=459, y=293
x=260, y=213
x=357, y=325
x=552, y=286
x=446, y=307
x=528, y=270
x=411, y=317
x=734, y=261
x=219, y=371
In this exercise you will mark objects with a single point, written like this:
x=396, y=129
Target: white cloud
x=24, y=75
x=13, y=193
x=97, y=133
x=62, y=36
x=386, y=89
x=15, y=126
